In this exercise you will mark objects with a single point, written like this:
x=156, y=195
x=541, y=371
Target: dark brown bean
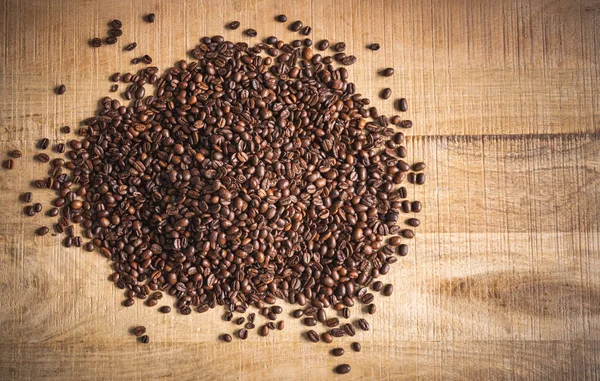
x=323, y=45
x=363, y=324
x=386, y=93
x=139, y=330
x=296, y=26
x=281, y=18
x=312, y=336
x=355, y=346
x=243, y=334
x=151, y=17
x=388, y=289
x=9, y=164
x=145, y=339
x=373, y=46
x=165, y=309
x=371, y=309
x=327, y=338
x=337, y=351
x=16, y=154
x=403, y=106
x=342, y=369
x=129, y=48
x=251, y=32
x=226, y=338
x=96, y=42
x=43, y=231
x=388, y=72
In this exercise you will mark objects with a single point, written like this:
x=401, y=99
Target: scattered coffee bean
x=115, y=24
x=371, y=309
x=312, y=336
x=9, y=164
x=388, y=289
x=281, y=18
x=96, y=42
x=115, y=32
x=386, y=93
x=311, y=322
x=323, y=45
x=43, y=158
x=374, y=46
x=240, y=320
x=151, y=18
x=66, y=129
x=16, y=154
x=296, y=26
x=129, y=48
x=43, y=231
x=165, y=309
x=243, y=334
x=37, y=207
x=43, y=143
x=363, y=324
x=27, y=197
x=337, y=351
x=345, y=312
x=388, y=72
x=339, y=47
x=226, y=338
x=281, y=325
x=145, y=339
x=415, y=206
x=403, y=106
x=327, y=338
x=306, y=30
x=408, y=233
x=355, y=346
x=342, y=369
x=139, y=331
x=264, y=330
x=251, y=32
x=60, y=90
x=298, y=314
x=111, y=40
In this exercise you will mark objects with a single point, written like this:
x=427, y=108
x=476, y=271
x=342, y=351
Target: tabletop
x=503, y=278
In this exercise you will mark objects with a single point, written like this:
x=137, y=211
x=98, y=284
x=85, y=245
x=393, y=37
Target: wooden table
x=503, y=278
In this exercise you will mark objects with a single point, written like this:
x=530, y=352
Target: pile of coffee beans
x=241, y=179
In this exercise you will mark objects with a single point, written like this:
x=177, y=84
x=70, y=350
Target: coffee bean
x=386, y=93
x=345, y=312
x=297, y=314
x=339, y=47
x=151, y=17
x=165, y=309
x=128, y=302
x=60, y=90
x=312, y=336
x=43, y=231
x=111, y=40
x=395, y=241
x=367, y=298
x=413, y=222
x=43, y=143
x=145, y=339
x=306, y=30
x=276, y=309
x=349, y=329
x=226, y=338
x=408, y=233
x=363, y=324
x=251, y=32
x=281, y=18
x=355, y=346
x=115, y=32
x=327, y=338
x=139, y=331
x=322, y=45
x=321, y=315
x=337, y=332
x=37, y=207
x=388, y=72
x=296, y=26
x=96, y=42
x=342, y=369
x=420, y=179
x=240, y=320
x=66, y=129
x=337, y=351
x=43, y=158
x=249, y=325
x=377, y=286
x=27, y=197
x=116, y=24
x=264, y=330
x=16, y=154
x=415, y=206
x=129, y=48
x=280, y=325
x=403, y=106
x=373, y=46
x=371, y=309
x=418, y=167
x=9, y=164
x=243, y=334
x=388, y=289
x=311, y=322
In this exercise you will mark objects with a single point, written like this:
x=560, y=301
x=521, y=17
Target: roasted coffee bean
x=377, y=286
x=413, y=222
x=240, y=320
x=9, y=164
x=226, y=338
x=339, y=47
x=337, y=332
x=66, y=129
x=312, y=336
x=355, y=346
x=43, y=231
x=327, y=338
x=321, y=315
x=276, y=309
x=129, y=48
x=280, y=325
x=251, y=32
x=408, y=233
x=306, y=30
x=37, y=207
x=249, y=325
x=296, y=26
x=386, y=93
x=139, y=331
x=345, y=312
x=281, y=18
x=342, y=369
x=16, y=154
x=145, y=339
x=233, y=25
x=367, y=298
x=165, y=309
x=420, y=179
x=337, y=351
x=111, y=40
x=332, y=322
x=418, y=167
x=128, y=302
x=363, y=324
x=151, y=17
x=27, y=197
x=311, y=322
x=96, y=42
x=298, y=314
x=243, y=334
x=116, y=24
x=43, y=143
x=323, y=45
x=415, y=206
x=115, y=32
x=403, y=106
x=371, y=309
x=388, y=289
x=264, y=330
x=43, y=158
x=373, y=46
x=388, y=72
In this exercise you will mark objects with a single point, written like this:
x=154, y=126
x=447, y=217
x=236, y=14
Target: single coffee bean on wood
x=337, y=351
x=342, y=369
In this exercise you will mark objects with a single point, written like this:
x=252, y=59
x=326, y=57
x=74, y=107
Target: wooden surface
x=503, y=278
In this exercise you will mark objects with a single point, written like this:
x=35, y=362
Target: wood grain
x=503, y=278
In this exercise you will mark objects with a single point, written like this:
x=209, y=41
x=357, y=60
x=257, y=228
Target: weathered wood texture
x=503, y=278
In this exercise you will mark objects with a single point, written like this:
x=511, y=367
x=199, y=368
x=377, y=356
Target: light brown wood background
x=503, y=278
